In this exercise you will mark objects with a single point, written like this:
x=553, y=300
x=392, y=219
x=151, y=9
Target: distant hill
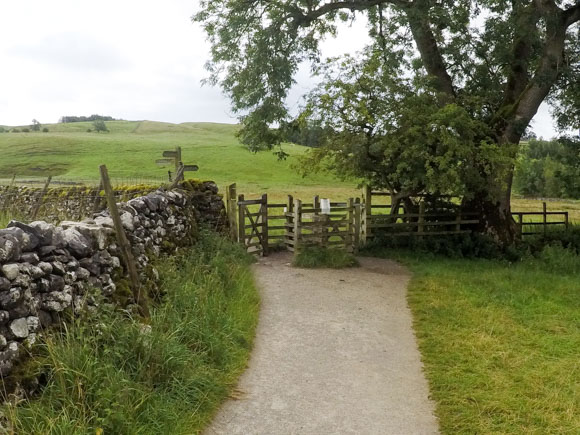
x=69, y=152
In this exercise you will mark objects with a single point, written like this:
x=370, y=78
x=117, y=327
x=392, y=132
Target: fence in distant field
x=62, y=199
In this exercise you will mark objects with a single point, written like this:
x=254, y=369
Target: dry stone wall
x=49, y=270
x=78, y=202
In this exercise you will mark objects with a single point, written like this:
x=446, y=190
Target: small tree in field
x=100, y=126
x=35, y=126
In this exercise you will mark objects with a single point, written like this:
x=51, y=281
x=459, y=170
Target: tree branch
x=302, y=19
x=429, y=50
x=571, y=15
x=518, y=78
x=546, y=74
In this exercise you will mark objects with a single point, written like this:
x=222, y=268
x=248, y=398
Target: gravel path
x=334, y=354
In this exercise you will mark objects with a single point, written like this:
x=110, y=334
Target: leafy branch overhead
x=491, y=62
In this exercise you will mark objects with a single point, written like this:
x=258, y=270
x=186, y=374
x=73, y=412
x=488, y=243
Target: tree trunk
x=493, y=201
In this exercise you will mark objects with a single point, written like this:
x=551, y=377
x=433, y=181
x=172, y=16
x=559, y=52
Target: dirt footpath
x=334, y=354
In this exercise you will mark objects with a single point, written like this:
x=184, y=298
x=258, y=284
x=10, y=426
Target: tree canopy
x=438, y=101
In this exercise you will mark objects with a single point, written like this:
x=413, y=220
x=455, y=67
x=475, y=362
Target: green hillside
x=69, y=152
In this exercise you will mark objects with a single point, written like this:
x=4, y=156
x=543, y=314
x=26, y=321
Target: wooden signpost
x=174, y=158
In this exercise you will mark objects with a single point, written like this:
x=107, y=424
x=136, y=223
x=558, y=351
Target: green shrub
x=112, y=374
x=15, y=130
x=316, y=257
x=473, y=245
x=45, y=130
x=25, y=130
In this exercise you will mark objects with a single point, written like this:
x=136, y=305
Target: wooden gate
x=253, y=224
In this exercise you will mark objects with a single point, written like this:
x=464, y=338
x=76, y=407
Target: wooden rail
x=544, y=223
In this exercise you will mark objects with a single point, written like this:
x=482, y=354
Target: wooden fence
x=402, y=222
x=533, y=227
x=262, y=227
x=307, y=224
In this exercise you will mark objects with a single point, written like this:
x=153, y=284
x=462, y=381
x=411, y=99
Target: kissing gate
x=263, y=226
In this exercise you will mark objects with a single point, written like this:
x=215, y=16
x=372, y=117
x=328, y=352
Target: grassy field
x=131, y=148
x=499, y=341
x=69, y=152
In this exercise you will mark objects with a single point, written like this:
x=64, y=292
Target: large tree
x=448, y=87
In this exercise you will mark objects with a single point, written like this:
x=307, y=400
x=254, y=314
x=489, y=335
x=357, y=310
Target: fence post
x=97, y=203
x=289, y=223
x=231, y=210
x=317, y=220
x=178, y=164
x=241, y=221
x=458, y=220
x=350, y=236
x=40, y=198
x=8, y=193
x=545, y=220
x=297, y=221
x=421, y=227
x=124, y=243
x=265, y=238
x=521, y=224
x=357, y=228
x=566, y=220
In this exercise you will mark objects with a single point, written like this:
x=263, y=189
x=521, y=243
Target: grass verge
x=500, y=341
x=315, y=257
x=111, y=374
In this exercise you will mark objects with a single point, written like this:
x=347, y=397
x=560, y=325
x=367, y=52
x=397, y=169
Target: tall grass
x=115, y=375
x=500, y=341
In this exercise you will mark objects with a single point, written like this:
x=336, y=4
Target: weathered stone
x=127, y=221
x=77, y=244
x=11, y=271
x=4, y=316
x=44, y=285
x=3, y=342
x=30, y=237
x=33, y=323
x=57, y=283
x=44, y=232
x=10, y=298
x=29, y=257
x=72, y=265
x=82, y=274
x=19, y=328
x=44, y=251
x=96, y=235
x=104, y=221
x=10, y=248
x=35, y=272
x=4, y=284
x=137, y=204
x=58, y=268
x=90, y=265
x=46, y=267
x=45, y=318
x=70, y=277
x=21, y=281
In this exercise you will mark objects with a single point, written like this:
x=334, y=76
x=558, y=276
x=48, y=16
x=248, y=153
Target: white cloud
x=133, y=59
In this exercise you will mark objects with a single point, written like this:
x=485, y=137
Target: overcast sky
x=130, y=59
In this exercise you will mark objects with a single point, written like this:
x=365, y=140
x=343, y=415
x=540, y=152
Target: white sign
x=325, y=206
